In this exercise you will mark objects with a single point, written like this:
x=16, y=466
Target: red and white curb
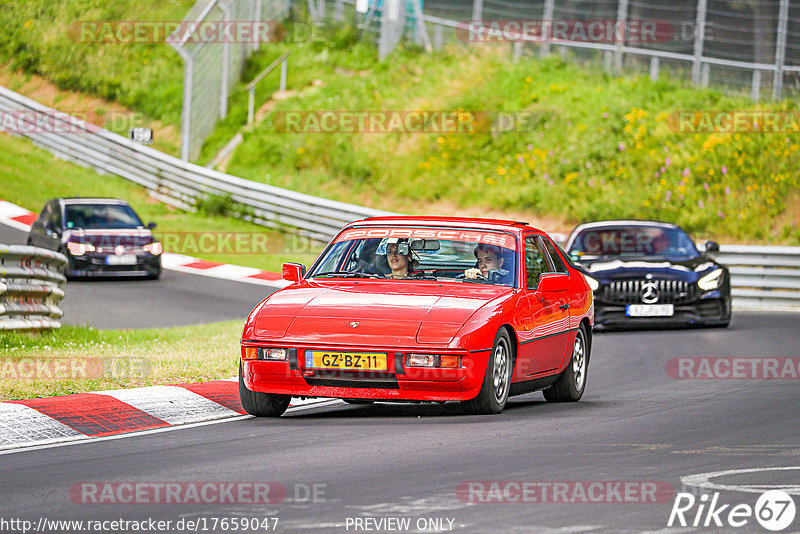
x=22, y=219
x=83, y=416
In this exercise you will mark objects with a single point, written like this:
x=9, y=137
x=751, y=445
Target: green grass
x=594, y=147
x=181, y=231
x=41, y=37
x=76, y=359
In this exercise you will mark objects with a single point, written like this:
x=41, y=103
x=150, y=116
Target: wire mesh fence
x=749, y=47
x=214, y=40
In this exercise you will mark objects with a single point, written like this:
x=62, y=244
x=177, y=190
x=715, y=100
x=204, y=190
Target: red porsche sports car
x=428, y=309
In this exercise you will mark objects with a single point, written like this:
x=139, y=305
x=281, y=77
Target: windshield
x=101, y=217
x=451, y=254
x=636, y=240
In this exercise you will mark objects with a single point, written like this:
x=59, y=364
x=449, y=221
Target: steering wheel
x=477, y=277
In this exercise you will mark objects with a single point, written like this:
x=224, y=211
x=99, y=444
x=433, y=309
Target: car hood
x=371, y=312
x=662, y=267
x=111, y=239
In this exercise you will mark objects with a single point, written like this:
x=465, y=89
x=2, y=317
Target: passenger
x=490, y=257
x=401, y=264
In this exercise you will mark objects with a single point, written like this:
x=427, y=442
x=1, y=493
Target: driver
x=490, y=257
x=398, y=256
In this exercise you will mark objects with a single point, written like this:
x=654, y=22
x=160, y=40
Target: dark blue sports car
x=650, y=273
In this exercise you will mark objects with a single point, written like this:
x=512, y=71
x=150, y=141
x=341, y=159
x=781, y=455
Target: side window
x=558, y=263
x=44, y=217
x=55, y=216
x=535, y=261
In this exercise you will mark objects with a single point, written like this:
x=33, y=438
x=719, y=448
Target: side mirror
x=552, y=283
x=293, y=272
x=712, y=246
x=151, y=225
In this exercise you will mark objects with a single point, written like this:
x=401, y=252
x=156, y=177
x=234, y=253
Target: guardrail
x=762, y=277
x=177, y=182
x=30, y=280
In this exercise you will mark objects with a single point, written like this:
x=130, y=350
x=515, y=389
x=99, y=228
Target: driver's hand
x=472, y=273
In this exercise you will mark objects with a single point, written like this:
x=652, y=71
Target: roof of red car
x=469, y=222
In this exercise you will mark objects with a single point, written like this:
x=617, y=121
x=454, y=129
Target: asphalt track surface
x=175, y=299
x=635, y=423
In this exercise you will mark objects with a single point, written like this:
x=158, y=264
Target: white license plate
x=125, y=259
x=649, y=310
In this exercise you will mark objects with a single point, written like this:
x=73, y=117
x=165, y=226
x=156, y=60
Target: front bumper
x=94, y=265
x=398, y=383
x=711, y=309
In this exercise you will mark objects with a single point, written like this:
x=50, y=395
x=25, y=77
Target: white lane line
x=703, y=480
x=82, y=440
x=21, y=425
x=173, y=404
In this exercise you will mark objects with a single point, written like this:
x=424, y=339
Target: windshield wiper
x=348, y=274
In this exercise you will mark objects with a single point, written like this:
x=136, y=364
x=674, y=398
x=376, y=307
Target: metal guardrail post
x=621, y=29
x=284, y=65
x=780, y=50
x=699, y=40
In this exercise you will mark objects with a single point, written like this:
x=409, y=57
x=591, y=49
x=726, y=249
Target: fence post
x=780, y=50
x=654, y=68
x=755, y=89
x=704, y=74
x=338, y=12
x=477, y=10
x=226, y=61
x=438, y=36
x=391, y=27
x=699, y=40
x=186, y=108
x=284, y=65
x=258, y=10
x=622, y=21
x=251, y=105
x=547, y=27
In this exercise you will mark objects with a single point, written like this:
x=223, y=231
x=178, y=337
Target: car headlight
x=710, y=281
x=593, y=284
x=155, y=248
x=79, y=249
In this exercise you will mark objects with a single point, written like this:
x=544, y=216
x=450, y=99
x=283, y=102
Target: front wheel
x=261, y=404
x=570, y=385
x=497, y=380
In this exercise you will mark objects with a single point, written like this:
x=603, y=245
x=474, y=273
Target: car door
x=545, y=322
x=42, y=233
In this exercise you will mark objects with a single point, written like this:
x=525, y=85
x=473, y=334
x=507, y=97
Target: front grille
x=631, y=291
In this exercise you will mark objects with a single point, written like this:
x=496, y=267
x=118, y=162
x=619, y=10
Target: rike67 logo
x=774, y=510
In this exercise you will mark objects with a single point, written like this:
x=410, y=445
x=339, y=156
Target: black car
x=99, y=236
x=650, y=273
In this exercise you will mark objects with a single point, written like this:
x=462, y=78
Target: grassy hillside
x=593, y=146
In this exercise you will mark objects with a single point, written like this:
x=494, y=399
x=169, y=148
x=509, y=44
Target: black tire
x=497, y=379
x=261, y=404
x=571, y=384
x=359, y=401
